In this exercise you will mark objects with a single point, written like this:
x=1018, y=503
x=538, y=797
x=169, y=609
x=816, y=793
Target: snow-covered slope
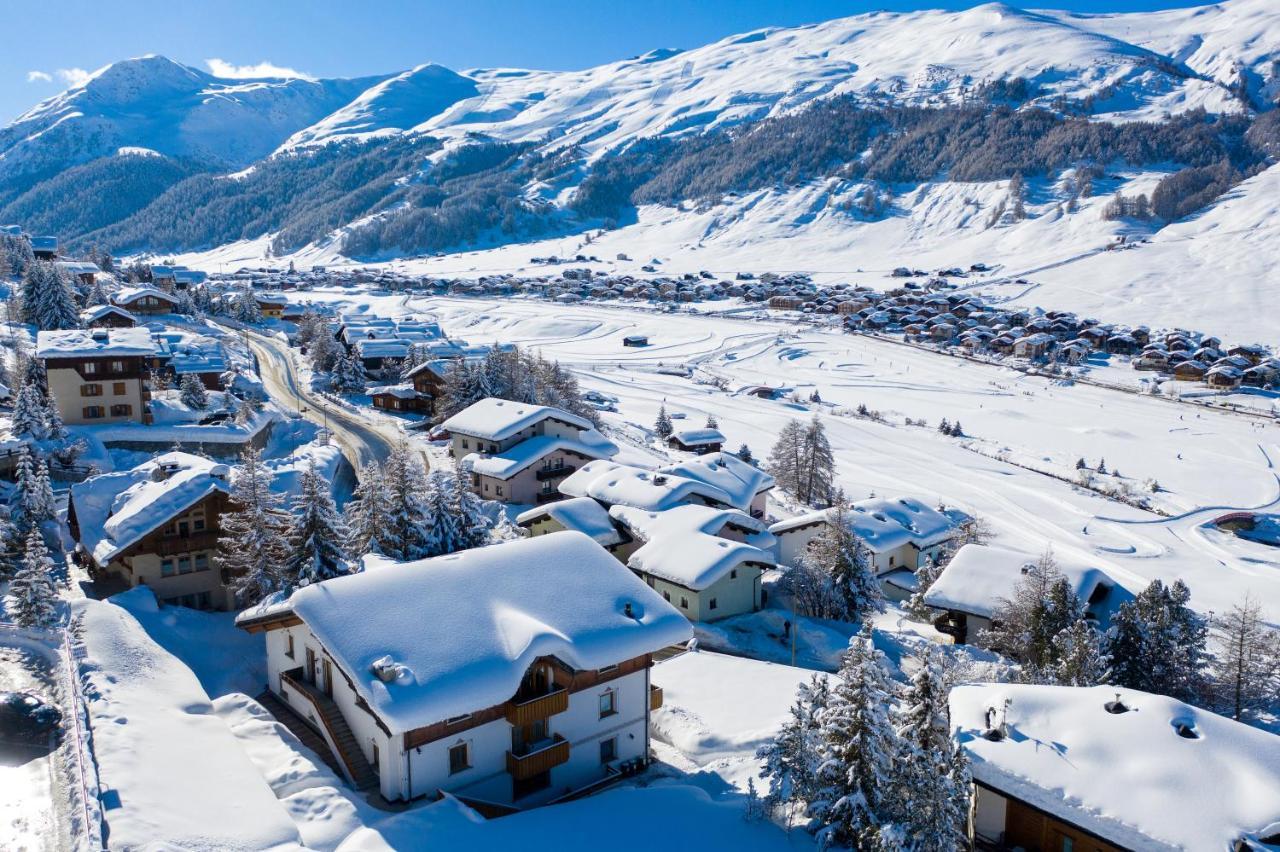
x=163, y=106
x=918, y=57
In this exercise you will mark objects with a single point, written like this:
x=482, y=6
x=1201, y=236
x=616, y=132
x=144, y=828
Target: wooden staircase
x=349, y=753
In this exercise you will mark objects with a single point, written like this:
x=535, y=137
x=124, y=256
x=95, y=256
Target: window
x=684, y=602
x=117, y=366
x=91, y=390
x=459, y=758
x=733, y=575
x=666, y=596
x=486, y=486
x=119, y=388
x=608, y=703
x=93, y=412
x=711, y=604
x=166, y=567
x=498, y=490
x=288, y=645
x=89, y=368
x=891, y=561
x=197, y=523
x=184, y=564
x=609, y=750
x=202, y=562
x=121, y=410
x=466, y=445
x=377, y=763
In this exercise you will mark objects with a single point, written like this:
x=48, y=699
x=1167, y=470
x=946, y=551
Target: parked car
x=26, y=719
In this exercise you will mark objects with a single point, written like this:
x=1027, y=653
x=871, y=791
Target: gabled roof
x=582, y=514
x=884, y=524
x=129, y=295
x=496, y=419
x=589, y=443
x=980, y=575
x=740, y=480
x=489, y=614
x=94, y=343
x=88, y=315
x=620, y=484
x=1127, y=777
x=683, y=544
x=115, y=510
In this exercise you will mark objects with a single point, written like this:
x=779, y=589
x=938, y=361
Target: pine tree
x=406, y=514
x=662, y=426
x=33, y=596
x=712, y=423
x=1043, y=604
x=931, y=790
x=926, y=575
x=1080, y=659
x=786, y=458
x=1102, y=467
x=744, y=453
x=348, y=373
x=1158, y=644
x=859, y=745
x=790, y=762
x=956, y=430
x=944, y=427
x=11, y=546
x=30, y=415
x=34, y=501
x=1246, y=673
x=366, y=513
x=192, y=392
x=96, y=295
x=316, y=541
x=322, y=352
x=254, y=547
x=244, y=307
x=837, y=551
x=47, y=300
x=817, y=471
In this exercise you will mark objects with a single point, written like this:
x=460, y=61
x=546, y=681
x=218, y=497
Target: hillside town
x=427, y=571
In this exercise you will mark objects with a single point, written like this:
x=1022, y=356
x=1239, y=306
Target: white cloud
x=222, y=68
x=72, y=76
x=39, y=77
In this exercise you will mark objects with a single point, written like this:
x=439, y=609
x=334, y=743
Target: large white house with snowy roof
x=520, y=453
x=746, y=485
x=1104, y=770
x=512, y=675
x=99, y=375
x=615, y=484
x=155, y=525
x=900, y=532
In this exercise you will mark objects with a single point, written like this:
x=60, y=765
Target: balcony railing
x=528, y=711
x=655, y=697
x=545, y=473
x=548, y=497
x=169, y=545
x=554, y=753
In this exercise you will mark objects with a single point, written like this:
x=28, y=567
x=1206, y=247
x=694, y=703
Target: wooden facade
x=1034, y=830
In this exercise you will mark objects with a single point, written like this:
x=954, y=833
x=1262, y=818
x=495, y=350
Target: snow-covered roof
x=697, y=436
x=189, y=276
x=115, y=510
x=129, y=295
x=1129, y=777
x=94, y=343
x=96, y=312
x=620, y=484
x=505, y=465
x=582, y=514
x=383, y=348
x=397, y=391
x=740, y=480
x=884, y=524
x=489, y=613
x=78, y=267
x=496, y=419
x=44, y=243
x=684, y=545
x=980, y=575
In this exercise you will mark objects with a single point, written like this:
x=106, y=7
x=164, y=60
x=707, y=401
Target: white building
x=616, y=484
x=1067, y=768
x=901, y=533
x=99, y=374
x=514, y=674
x=979, y=576
x=746, y=485
x=518, y=453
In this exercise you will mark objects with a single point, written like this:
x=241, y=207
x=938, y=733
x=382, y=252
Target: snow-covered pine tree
x=30, y=415
x=859, y=746
x=1042, y=605
x=192, y=392
x=97, y=296
x=244, y=306
x=926, y=575
x=931, y=788
x=404, y=478
x=744, y=453
x=1156, y=643
x=322, y=352
x=47, y=299
x=662, y=426
x=34, y=500
x=348, y=373
x=317, y=539
x=1246, y=671
x=837, y=551
x=790, y=762
x=253, y=544
x=366, y=513
x=712, y=423
x=33, y=597
x=1079, y=657
x=11, y=546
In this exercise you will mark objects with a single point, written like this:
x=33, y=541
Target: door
x=310, y=674
x=328, y=677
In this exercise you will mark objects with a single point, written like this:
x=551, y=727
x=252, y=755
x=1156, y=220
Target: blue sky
x=55, y=42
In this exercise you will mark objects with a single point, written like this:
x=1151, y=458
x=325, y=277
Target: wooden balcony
x=528, y=711
x=545, y=473
x=540, y=760
x=169, y=545
x=655, y=697
x=547, y=497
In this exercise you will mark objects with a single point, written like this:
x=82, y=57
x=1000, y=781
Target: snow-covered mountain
x=156, y=104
